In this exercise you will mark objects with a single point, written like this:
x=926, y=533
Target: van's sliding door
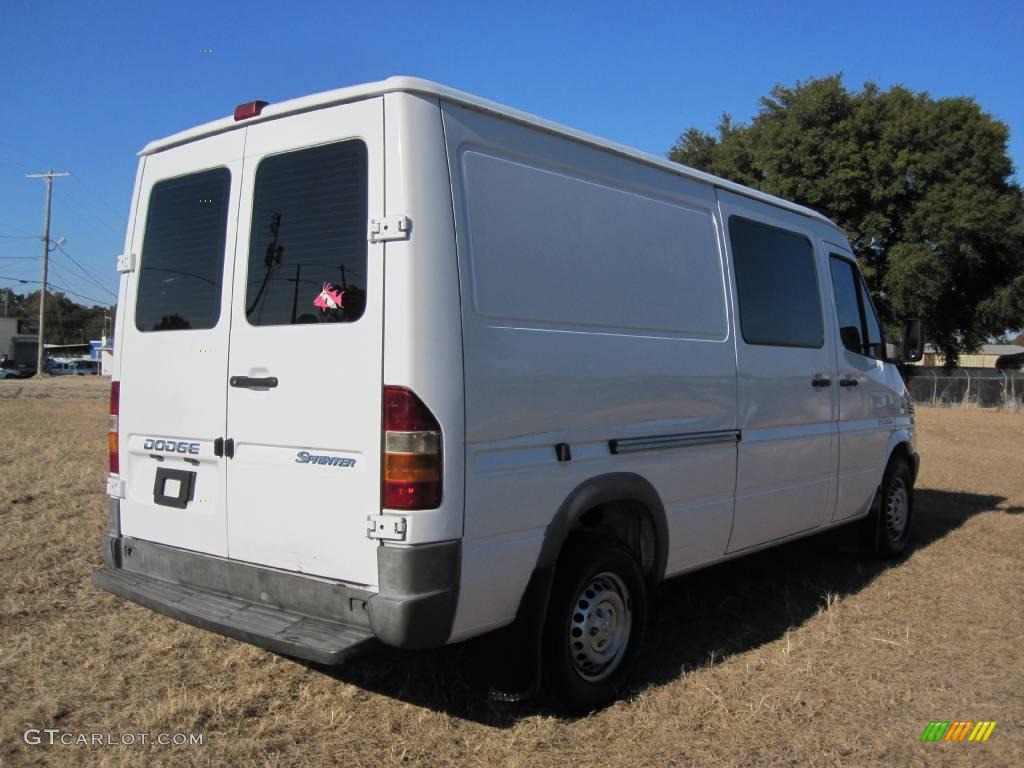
x=785, y=352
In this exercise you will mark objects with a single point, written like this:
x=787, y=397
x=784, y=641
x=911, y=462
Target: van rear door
x=174, y=345
x=304, y=400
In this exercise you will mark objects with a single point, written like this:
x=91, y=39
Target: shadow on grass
x=712, y=613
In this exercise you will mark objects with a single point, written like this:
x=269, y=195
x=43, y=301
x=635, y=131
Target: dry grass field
x=806, y=655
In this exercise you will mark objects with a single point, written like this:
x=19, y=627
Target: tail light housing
x=411, y=471
x=115, y=408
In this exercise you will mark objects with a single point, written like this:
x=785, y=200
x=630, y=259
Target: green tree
x=922, y=187
x=67, y=322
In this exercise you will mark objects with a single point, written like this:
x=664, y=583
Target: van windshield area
x=307, y=243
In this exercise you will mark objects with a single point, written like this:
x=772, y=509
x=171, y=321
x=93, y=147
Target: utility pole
x=49, y=176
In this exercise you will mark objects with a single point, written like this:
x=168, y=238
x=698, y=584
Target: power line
x=86, y=272
x=122, y=215
x=93, y=219
x=15, y=166
x=7, y=225
x=93, y=194
x=21, y=151
x=100, y=302
x=59, y=274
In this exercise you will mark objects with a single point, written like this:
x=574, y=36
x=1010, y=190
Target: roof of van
x=418, y=85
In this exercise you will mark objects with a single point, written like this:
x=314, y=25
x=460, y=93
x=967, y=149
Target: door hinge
x=126, y=262
x=390, y=228
x=386, y=527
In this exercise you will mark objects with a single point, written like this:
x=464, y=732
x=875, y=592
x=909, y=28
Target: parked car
x=1013, y=362
x=592, y=369
x=72, y=367
x=11, y=370
x=60, y=368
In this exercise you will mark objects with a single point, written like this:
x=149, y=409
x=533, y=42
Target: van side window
x=859, y=329
x=777, y=286
x=309, y=218
x=182, y=263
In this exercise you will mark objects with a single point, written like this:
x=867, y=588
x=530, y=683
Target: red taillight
x=115, y=409
x=249, y=109
x=411, y=471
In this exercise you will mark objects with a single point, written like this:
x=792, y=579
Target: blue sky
x=86, y=84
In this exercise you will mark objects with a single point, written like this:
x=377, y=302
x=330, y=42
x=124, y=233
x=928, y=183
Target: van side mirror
x=912, y=341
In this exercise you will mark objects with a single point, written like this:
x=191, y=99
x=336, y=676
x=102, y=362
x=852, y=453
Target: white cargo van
x=397, y=363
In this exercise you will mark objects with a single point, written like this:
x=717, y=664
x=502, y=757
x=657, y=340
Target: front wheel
x=595, y=623
x=894, y=509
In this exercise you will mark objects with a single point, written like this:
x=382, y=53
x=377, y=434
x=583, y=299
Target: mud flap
x=519, y=644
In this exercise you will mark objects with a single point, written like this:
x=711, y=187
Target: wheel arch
x=601, y=503
x=901, y=444
x=625, y=493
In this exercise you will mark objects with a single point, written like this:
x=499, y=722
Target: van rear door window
x=309, y=222
x=182, y=263
x=777, y=286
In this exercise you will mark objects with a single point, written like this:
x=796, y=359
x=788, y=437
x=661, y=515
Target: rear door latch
x=386, y=527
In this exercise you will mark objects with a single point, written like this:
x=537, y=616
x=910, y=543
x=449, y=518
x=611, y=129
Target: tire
x=894, y=509
x=597, y=614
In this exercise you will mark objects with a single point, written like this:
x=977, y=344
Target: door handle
x=247, y=382
x=847, y=382
x=821, y=381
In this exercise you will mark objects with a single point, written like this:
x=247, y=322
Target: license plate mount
x=174, y=487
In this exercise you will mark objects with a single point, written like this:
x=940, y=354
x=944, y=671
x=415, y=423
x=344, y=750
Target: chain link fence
x=979, y=387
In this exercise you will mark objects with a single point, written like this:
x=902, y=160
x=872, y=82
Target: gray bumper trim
x=415, y=607
x=269, y=587
x=419, y=591
x=326, y=642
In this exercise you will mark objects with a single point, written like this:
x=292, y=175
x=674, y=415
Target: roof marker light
x=249, y=109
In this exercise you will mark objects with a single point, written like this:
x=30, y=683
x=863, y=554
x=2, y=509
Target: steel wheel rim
x=897, y=506
x=600, y=626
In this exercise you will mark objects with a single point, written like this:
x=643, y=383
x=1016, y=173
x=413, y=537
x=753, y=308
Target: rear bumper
x=273, y=628
x=302, y=616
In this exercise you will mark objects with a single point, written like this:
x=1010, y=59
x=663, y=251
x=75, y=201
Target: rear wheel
x=894, y=509
x=595, y=623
